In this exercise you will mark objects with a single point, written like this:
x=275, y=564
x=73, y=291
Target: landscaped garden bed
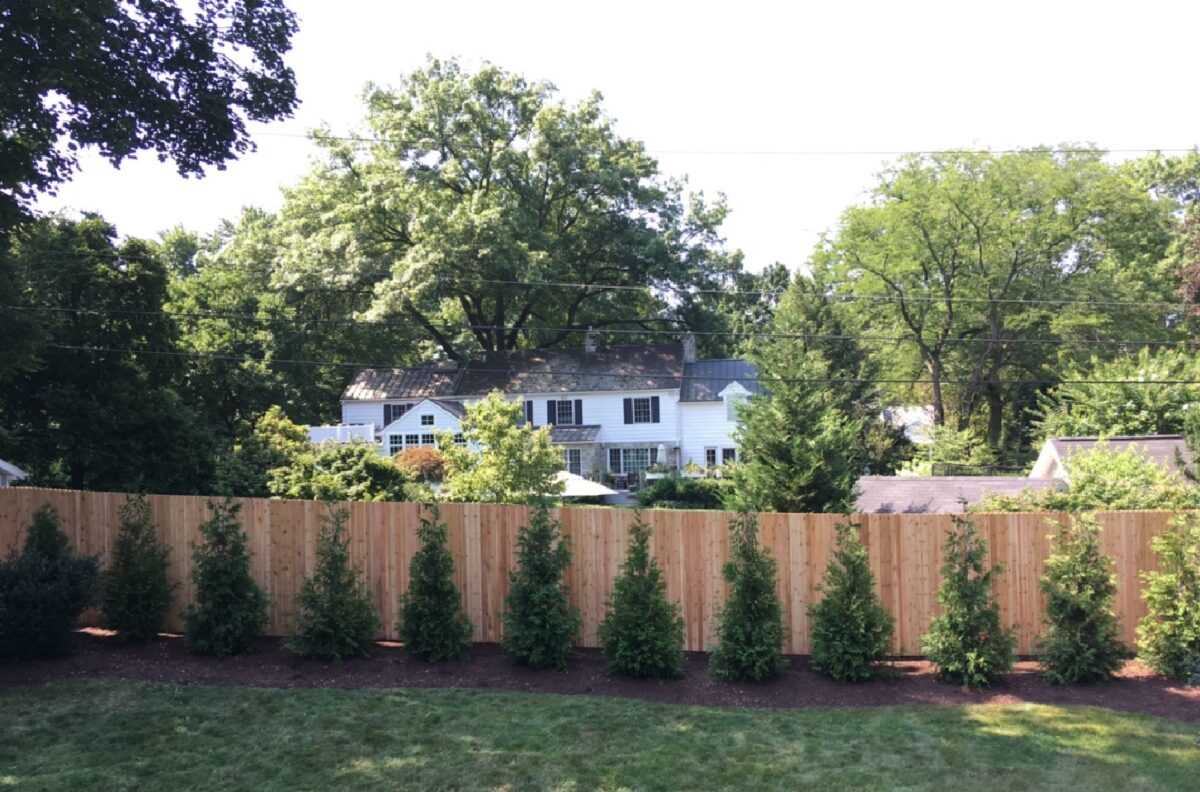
x=904, y=682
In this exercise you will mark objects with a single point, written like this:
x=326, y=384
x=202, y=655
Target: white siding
x=410, y=424
x=363, y=412
x=608, y=410
x=703, y=425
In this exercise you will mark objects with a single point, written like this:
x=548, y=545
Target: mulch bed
x=905, y=682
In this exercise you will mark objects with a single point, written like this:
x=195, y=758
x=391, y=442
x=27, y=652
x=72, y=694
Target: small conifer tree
x=966, y=643
x=539, y=621
x=642, y=634
x=851, y=629
x=43, y=591
x=136, y=591
x=433, y=625
x=230, y=610
x=336, y=618
x=1081, y=641
x=750, y=627
x=1169, y=634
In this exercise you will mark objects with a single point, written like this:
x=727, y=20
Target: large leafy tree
x=958, y=253
x=123, y=76
x=467, y=186
x=89, y=399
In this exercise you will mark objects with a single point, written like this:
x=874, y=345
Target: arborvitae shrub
x=336, y=618
x=1169, y=634
x=539, y=621
x=642, y=634
x=750, y=627
x=433, y=625
x=1081, y=641
x=136, y=592
x=851, y=630
x=43, y=590
x=230, y=610
x=966, y=643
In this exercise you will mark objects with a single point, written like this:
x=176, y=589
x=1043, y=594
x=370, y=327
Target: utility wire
x=625, y=375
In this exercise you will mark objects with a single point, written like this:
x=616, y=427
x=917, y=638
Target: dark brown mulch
x=906, y=682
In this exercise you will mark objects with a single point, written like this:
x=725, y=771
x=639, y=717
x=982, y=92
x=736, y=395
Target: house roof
x=402, y=383
x=1157, y=448
x=703, y=380
x=643, y=367
x=936, y=494
x=454, y=408
x=12, y=471
x=560, y=435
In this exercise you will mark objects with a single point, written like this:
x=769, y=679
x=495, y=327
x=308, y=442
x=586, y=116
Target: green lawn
x=111, y=735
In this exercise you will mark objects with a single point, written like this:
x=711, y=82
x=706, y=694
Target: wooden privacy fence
x=691, y=547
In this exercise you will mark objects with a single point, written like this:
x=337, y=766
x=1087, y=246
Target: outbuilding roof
x=1165, y=450
x=936, y=494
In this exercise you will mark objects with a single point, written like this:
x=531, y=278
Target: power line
x=625, y=375
x=745, y=334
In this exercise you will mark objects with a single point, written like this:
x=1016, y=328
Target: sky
x=790, y=110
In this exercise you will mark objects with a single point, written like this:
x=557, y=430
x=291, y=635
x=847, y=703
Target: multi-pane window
x=573, y=460
x=426, y=420
x=412, y=440
x=427, y=439
x=631, y=460
x=710, y=457
x=641, y=411
x=728, y=455
x=395, y=444
x=565, y=412
x=392, y=412
x=459, y=439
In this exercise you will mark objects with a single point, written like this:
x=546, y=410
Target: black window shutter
x=551, y=412
x=654, y=414
x=579, y=412
x=529, y=413
x=387, y=414
x=629, y=411
x=653, y=455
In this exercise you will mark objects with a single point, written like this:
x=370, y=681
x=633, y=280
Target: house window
x=427, y=439
x=573, y=460
x=392, y=412
x=728, y=455
x=641, y=411
x=565, y=415
x=426, y=420
x=412, y=440
x=395, y=444
x=733, y=403
x=459, y=439
x=631, y=460
x=710, y=457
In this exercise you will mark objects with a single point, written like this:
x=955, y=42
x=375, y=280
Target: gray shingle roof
x=1157, y=448
x=402, y=383
x=644, y=367
x=574, y=434
x=454, y=408
x=705, y=379
x=936, y=494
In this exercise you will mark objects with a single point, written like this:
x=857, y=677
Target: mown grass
x=112, y=735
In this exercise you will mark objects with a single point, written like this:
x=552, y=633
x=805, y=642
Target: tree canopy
x=122, y=76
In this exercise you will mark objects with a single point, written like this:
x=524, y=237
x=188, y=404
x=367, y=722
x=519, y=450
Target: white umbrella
x=578, y=487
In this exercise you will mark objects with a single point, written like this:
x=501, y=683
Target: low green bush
x=1169, y=634
x=966, y=643
x=677, y=492
x=433, y=625
x=642, y=634
x=1081, y=641
x=750, y=626
x=43, y=590
x=336, y=618
x=539, y=621
x=851, y=631
x=230, y=610
x=136, y=591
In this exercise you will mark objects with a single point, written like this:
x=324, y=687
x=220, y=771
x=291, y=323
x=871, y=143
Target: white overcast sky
x=730, y=94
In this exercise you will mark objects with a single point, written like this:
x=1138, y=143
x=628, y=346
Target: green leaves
x=433, y=625
x=750, y=625
x=1169, y=634
x=136, y=591
x=539, y=621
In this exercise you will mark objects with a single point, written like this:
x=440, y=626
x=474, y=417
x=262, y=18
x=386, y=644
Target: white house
x=10, y=474
x=614, y=410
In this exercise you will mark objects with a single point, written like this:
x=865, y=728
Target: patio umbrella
x=578, y=487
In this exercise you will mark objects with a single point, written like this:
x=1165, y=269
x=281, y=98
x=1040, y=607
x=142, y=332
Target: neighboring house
x=939, y=494
x=1166, y=450
x=618, y=409
x=10, y=474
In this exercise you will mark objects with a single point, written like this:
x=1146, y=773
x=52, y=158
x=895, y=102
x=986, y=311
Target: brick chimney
x=590, y=342
x=689, y=347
